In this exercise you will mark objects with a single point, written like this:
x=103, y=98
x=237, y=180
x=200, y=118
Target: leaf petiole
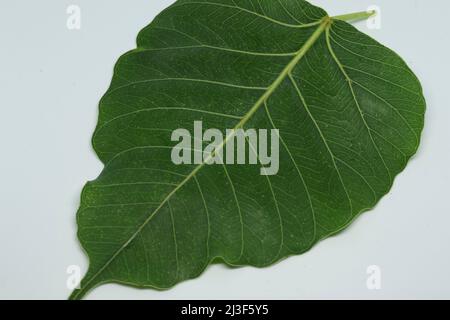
x=357, y=16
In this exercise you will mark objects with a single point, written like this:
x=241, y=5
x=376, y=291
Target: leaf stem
x=357, y=16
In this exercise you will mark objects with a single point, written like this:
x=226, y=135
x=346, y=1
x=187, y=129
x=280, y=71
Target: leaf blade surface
x=349, y=112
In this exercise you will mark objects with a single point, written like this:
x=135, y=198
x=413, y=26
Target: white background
x=51, y=80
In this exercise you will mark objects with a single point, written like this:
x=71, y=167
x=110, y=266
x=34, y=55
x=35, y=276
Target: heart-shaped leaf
x=349, y=114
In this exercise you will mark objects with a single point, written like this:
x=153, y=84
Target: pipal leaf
x=349, y=113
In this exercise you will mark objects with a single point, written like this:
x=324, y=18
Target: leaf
x=349, y=113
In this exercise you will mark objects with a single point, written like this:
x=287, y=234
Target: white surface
x=50, y=82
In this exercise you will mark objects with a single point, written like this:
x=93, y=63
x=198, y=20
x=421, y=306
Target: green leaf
x=349, y=112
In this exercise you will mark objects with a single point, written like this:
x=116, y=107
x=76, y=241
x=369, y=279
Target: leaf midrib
x=324, y=23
